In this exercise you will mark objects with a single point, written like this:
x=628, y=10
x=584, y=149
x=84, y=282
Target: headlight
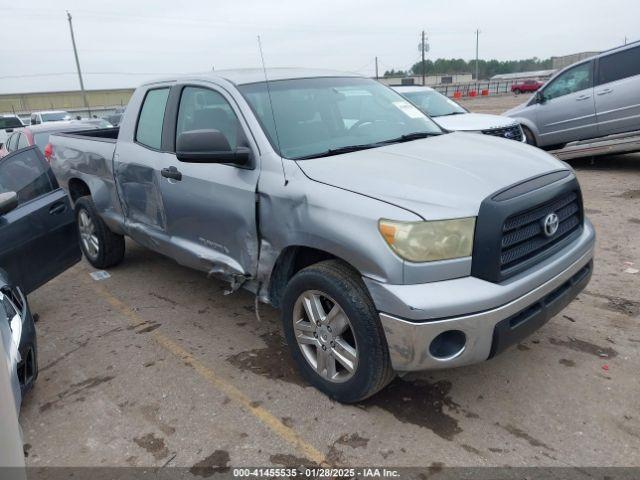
x=429, y=241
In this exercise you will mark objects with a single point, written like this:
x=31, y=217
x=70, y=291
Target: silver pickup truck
x=388, y=245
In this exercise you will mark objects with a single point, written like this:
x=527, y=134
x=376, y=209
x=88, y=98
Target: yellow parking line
x=230, y=390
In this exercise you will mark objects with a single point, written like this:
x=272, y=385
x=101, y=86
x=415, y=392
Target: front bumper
x=491, y=316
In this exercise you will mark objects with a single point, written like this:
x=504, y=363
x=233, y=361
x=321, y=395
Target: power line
x=37, y=75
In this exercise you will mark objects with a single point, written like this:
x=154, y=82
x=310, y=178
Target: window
x=10, y=122
x=34, y=119
x=23, y=141
x=619, y=65
x=25, y=173
x=573, y=80
x=149, y=130
x=433, y=103
x=13, y=142
x=316, y=115
x=203, y=109
x=55, y=116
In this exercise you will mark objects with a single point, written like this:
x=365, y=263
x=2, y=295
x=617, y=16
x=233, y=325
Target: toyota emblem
x=550, y=224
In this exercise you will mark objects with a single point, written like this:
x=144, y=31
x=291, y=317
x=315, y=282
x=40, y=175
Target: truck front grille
x=510, y=235
x=523, y=234
x=514, y=132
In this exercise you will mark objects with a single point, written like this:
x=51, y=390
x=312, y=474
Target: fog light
x=448, y=344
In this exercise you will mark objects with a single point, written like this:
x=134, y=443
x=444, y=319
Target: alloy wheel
x=88, y=234
x=325, y=336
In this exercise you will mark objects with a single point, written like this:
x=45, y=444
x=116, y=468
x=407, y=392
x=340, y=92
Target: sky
x=124, y=42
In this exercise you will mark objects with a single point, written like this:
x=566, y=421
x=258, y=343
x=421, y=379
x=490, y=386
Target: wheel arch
x=78, y=188
x=290, y=261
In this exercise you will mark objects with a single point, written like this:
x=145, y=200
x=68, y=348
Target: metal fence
x=483, y=87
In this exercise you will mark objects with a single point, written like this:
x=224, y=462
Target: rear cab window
x=26, y=173
x=150, y=120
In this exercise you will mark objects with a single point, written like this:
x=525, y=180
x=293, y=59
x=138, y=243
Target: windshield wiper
x=407, y=137
x=340, y=150
x=447, y=114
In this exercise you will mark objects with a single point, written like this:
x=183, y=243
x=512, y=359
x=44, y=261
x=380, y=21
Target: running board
x=619, y=143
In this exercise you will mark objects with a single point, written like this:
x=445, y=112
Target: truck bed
x=82, y=162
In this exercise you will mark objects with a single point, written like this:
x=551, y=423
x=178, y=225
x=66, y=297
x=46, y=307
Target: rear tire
x=517, y=91
x=100, y=246
x=334, y=284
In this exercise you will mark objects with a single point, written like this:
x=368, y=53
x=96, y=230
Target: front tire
x=334, y=333
x=530, y=139
x=100, y=246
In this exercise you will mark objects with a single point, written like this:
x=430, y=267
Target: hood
x=440, y=177
x=511, y=112
x=473, y=122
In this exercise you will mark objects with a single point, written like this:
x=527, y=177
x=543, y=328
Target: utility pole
x=75, y=53
x=377, y=68
x=424, y=67
x=477, y=35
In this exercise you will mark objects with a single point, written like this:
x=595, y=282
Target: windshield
x=315, y=116
x=433, y=103
x=55, y=116
x=10, y=122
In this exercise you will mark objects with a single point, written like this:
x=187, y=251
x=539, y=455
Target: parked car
x=526, y=86
x=50, y=116
x=39, y=135
x=593, y=98
x=11, y=446
x=38, y=241
x=97, y=122
x=115, y=118
x=454, y=117
x=18, y=335
x=8, y=123
x=388, y=244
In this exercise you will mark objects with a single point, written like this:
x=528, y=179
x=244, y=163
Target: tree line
x=486, y=68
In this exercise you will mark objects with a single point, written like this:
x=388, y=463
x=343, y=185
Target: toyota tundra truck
x=388, y=244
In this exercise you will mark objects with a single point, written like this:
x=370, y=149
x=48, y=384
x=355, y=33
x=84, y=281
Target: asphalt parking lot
x=155, y=366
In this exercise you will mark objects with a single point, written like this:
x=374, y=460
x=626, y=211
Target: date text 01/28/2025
x=315, y=472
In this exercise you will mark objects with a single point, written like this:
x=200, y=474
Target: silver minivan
x=596, y=97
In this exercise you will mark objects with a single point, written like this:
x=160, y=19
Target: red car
x=526, y=86
x=39, y=135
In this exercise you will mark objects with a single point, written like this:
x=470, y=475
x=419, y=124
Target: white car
x=50, y=116
x=453, y=117
x=8, y=123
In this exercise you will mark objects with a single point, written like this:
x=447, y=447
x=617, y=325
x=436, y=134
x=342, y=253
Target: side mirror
x=209, y=146
x=8, y=202
x=540, y=97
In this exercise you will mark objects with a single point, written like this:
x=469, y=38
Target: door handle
x=172, y=173
x=605, y=91
x=583, y=97
x=57, y=208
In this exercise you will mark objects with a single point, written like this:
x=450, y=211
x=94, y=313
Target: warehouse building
x=100, y=101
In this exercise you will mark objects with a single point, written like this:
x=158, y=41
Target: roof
x=51, y=111
x=412, y=88
x=244, y=76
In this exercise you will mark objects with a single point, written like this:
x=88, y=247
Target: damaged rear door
x=210, y=208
